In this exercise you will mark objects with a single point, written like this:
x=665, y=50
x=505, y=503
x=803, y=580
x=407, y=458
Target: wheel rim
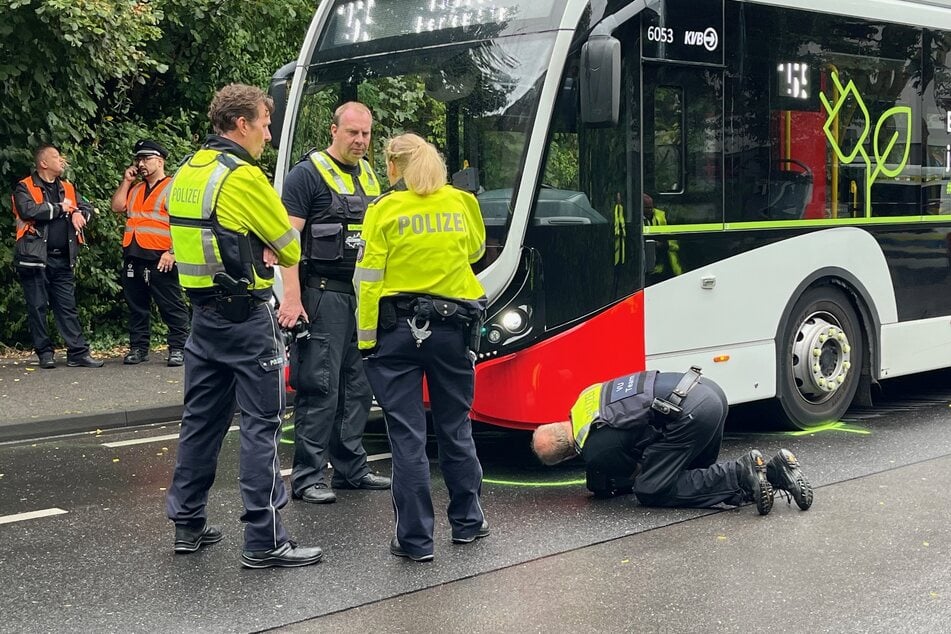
x=821, y=357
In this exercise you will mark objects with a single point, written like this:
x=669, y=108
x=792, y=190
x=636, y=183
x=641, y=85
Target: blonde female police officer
x=418, y=302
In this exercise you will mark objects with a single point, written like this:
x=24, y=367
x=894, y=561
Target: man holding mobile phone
x=149, y=270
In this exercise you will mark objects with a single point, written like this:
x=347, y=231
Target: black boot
x=784, y=474
x=751, y=475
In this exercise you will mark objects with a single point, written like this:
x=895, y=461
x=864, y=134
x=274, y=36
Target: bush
x=92, y=77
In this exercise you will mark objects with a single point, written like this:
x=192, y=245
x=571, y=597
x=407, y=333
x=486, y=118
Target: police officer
x=659, y=434
x=326, y=195
x=226, y=222
x=149, y=270
x=418, y=305
x=50, y=216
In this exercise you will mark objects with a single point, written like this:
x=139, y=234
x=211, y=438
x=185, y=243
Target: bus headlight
x=515, y=321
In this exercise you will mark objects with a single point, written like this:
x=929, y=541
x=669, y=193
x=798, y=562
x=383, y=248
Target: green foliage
x=92, y=77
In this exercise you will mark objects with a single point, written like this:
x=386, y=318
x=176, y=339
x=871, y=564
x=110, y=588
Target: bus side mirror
x=601, y=81
x=280, y=86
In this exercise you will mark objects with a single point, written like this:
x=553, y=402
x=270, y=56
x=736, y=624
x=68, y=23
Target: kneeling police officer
x=664, y=448
x=227, y=225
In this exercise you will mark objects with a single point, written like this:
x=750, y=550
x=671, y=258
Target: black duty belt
x=327, y=284
x=212, y=300
x=672, y=406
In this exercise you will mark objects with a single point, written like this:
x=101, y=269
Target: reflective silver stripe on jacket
x=198, y=270
x=338, y=180
x=289, y=237
x=366, y=335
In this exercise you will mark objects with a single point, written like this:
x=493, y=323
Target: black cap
x=148, y=147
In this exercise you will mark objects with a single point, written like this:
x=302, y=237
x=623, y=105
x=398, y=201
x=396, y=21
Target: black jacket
x=31, y=248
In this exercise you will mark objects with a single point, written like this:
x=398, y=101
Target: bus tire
x=819, y=358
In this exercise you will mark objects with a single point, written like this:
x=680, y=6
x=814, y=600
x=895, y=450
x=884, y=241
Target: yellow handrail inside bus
x=835, y=158
x=788, y=135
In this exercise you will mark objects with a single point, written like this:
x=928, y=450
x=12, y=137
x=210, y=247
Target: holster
x=234, y=308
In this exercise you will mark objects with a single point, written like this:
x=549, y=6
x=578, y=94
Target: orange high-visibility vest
x=24, y=226
x=147, y=217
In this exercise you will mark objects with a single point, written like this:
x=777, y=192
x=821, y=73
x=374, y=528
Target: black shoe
x=85, y=361
x=287, y=555
x=136, y=356
x=784, y=475
x=396, y=549
x=482, y=532
x=751, y=474
x=188, y=540
x=46, y=361
x=370, y=481
x=176, y=358
x=316, y=494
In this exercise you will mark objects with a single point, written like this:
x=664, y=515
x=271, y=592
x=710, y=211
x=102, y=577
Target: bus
x=761, y=188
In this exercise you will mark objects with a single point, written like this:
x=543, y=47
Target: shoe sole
x=469, y=540
x=764, y=500
x=406, y=555
x=83, y=365
x=798, y=486
x=184, y=548
x=271, y=562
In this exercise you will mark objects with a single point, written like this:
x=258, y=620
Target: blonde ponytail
x=417, y=161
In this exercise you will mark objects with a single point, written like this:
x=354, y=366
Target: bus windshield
x=360, y=27
x=475, y=101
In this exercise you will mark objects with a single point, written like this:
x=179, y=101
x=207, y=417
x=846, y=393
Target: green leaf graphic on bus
x=896, y=122
x=848, y=93
x=902, y=124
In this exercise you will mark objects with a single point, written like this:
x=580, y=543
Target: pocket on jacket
x=326, y=242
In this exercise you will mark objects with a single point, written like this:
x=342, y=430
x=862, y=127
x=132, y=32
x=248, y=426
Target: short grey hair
x=553, y=443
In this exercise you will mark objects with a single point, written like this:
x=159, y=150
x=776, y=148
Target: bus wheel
x=820, y=358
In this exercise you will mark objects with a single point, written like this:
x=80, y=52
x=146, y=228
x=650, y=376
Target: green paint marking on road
x=286, y=428
x=522, y=483
x=836, y=426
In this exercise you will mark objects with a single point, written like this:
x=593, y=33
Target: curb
x=44, y=428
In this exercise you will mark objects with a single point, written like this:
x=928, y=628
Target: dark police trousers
x=53, y=287
x=680, y=469
x=145, y=283
x=226, y=363
x=333, y=396
x=396, y=375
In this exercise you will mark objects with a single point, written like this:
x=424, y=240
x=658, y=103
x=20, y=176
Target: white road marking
x=373, y=458
x=142, y=441
x=20, y=517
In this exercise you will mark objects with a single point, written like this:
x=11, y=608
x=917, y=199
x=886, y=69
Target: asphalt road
x=873, y=554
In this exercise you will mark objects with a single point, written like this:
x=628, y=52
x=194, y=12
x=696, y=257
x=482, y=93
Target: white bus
x=760, y=188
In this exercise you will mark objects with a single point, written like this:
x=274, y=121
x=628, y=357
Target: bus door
x=682, y=111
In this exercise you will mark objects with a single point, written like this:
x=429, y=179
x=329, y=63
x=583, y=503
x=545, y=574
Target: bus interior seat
x=554, y=207
x=784, y=195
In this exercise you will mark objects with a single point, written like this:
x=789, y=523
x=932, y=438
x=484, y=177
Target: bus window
x=586, y=217
x=936, y=135
x=825, y=117
x=683, y=141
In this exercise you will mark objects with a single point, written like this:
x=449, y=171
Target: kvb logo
x=708, y=39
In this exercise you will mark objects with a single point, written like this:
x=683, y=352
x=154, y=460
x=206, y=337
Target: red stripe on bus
x=539, y=384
